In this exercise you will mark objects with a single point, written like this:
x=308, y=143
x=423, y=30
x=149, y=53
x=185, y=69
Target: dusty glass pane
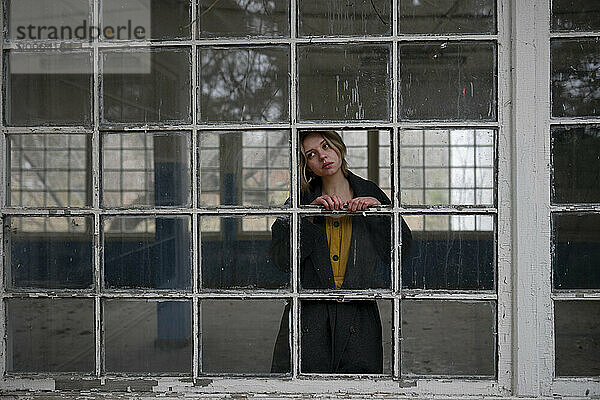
x=49, y=252
x=575, y=164
x=450, y=252
x=148, y=336
x=448, y=81
x=343, y=251
x=244, y=84
x=40, y=331
x=447, y=166
x=145, y=169
x=576, y=245
x=448, y=338
x=577, y=337
x=447, y=16
x=235, y=253
x=575, y=83
x=344, y=82
x=146, y=19
x=575, y=15
x=146, y=85
x=49, y=170
x=250, y=168
x=351, y=337
x=150, y=253
x=238, y=336
x=343, y=18
x=48, y=88
x=242, y=18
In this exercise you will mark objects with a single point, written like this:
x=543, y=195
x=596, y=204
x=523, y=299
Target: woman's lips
x=327, y=165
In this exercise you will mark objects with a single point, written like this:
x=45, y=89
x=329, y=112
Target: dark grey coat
x=338, y=337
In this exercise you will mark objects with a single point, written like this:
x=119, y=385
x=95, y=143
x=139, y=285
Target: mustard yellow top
x=339, y=233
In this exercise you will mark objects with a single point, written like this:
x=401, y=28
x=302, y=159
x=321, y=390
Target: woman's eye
x=325, y=146
x=309, y=155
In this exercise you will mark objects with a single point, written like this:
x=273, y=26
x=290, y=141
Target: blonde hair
x=337, y=144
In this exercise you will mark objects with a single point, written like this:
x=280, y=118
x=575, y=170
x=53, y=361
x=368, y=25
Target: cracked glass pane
x=441, y=338
x=447, y=16
x=575, y=15
x=344, y=18
x=240, y=84
x=448, y=81
x=148, y=336
x=344, y=82
x=238, y=336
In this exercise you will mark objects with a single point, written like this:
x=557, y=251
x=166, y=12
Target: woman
x=345, y=251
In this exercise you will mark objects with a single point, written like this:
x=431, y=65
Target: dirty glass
x=448, y=338
x=575, y=15
x=576, y=333
x=48, y=88
x=146, y=85
x=39, y=331
x=575, y=164
x=146, y=19
x=447, y=166
x=148, y=336
x=238, y=336
x=344, y=82
x=447, y=81
x=576, y=245
x=147, y=252
x=347, y=251
x=243, y=18
x=146, y=169
x=447, y=16
x=574, y=74
x=239, y=84
x=344, y=18
x=249, y=168
x=49, y=170
x=365, y=328
x=451, y=252
x=59, y=19
x=49, y=252
x=236, y=253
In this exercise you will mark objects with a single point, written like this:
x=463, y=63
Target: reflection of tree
x=244, y=84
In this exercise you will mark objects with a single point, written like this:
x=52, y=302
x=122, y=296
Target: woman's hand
x=362, y=203
x=333, y=202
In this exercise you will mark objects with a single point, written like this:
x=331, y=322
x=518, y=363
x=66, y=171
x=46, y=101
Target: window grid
x=294, y=211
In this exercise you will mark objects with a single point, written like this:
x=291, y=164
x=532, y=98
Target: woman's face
x=321, y=157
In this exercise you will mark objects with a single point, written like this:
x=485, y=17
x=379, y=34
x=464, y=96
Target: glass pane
x=250, y=168
x=238, y=336
x=151, y=252
x=575, y=164
x=51, y=88
x=242, y=18
x=454, y=252
x=447, y=16
x=350, y=337
x=39, y=331
x=576, y=333
x=237, y=253
x=340, y=17
x=448, y=338
x=49, y=252
x=145, y=169
x=342, y=251
x=148, y=336
x=244, y=84
x=146, y=19
x=448, y=81
x=576, y=245
x=146, y=86
x=49, y=170
x=349, y=82
x=575, y=15
x=575, y=84
x=447, y=166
